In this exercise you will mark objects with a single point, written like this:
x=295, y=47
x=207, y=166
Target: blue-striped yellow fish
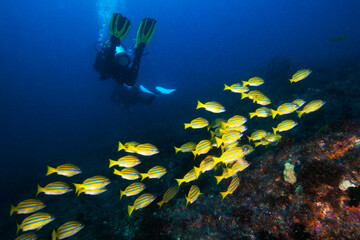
x=126, y=161
x=193, y=194
x=261, y=99
x=133, y=189
x=251, y=95
x=273, y=137
x=212, y=106
x=236, y=88
x=34, y=221
x=27, y=206
x=261, y=112
x=66, y=230
x=54, y=188
x=262, y=142
x=228, y=137
x=311, y=107
x=234, y=121
x=93, y=183
x=187, y=147
x=257, y=135
x=247, y=149
x=224, y=175
x=229, y=145
x=241, y=128
x=67, y=170
x=145, y=149
x=197, y=123
x=299, y=102
x=232, y=187
x=91, y=191
x=128, y=173
x=154, y=172
x=285, y=126
x=285, y=108
x=206, y=165
x=127, y=145
x=300, y=75
x=190, y=176
x=27, y=236
x=168, y=195
x=216, y=123
x=254, y=81
x=141, y=202
x=202, y=147
x=230, y=155
x=238, y=166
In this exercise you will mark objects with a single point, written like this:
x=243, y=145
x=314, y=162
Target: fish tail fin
x=160, y=203
x=18, y=227
x=249, y=138
x=212, y=133
x=222, y=149
x=291, y=81
x=199, y=105
x=39, y=189
x=197, y=172
x=218, y=179
x=121, y=194
x=180, y=181
x=227, y=87
x=12, y=209
x=216, y=160
x=244, y=95
x=195, y=153
x=144, y=175
x=187, y=201
x=117, y=172
x=275, y=130
x=112, y=163
x=245, y=83
x=257, y=144
x=218, y=141
x=177, y=150
x=80, y=191
x=50, y=170
x=53, y=235
x=121, y=147
x=130, y=210
x=224, y=194
x=300, y=113
x=273, y=113
x=77, y=187
x=252, y=114
x=187, y=125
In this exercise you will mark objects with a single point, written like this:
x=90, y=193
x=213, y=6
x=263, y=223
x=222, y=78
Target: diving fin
x=145, y=90
x=119, y=26
x=164, y=90
x=145, y=31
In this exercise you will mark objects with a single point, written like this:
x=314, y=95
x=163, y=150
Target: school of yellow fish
x=225, y=134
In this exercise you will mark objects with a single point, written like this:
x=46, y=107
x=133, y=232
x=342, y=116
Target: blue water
x=54, y=108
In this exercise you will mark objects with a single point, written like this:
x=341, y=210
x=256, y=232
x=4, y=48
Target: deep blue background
x=54, y=109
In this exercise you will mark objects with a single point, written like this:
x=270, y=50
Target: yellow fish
x=54, y=188
x=66, y=230
x=261, y=112
x=216, y=123
x=206, y=165
x=251, y=95
x=247, y=149
x=299, y=102
x=202, y=147
x=27, y=236
x=236, y=88
x=284, y=108
x=93, y=183
x=187, y=147
x=230, y=155
x=133, y=189
x=262, y=100
x=190, y=176
x=154, y=172
x=168, y=195
x=273, y=137
x=145, y=149
x=34, y=221
x=257, y=135
x=238, y=166
x=127, y=145
x=126, y=161
x=228, y=137
x=213, y=107
x=285, y=126
x=263, y=142
x=225, y=175
x=27, y=206
x=232, y=187
x=234, y=121
x=311, y=107
x=67, y=170
x=197, y=123
x=128, y=173
x=143, y=201
x=193, y=194
x=255, y=81
x=300, y=75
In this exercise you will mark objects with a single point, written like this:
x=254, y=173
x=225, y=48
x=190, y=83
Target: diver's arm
x=136, y=63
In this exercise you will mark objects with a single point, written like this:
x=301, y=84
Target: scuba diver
x=113, y=60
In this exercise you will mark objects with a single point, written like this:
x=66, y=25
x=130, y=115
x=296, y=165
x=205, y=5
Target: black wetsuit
x=107, y=67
